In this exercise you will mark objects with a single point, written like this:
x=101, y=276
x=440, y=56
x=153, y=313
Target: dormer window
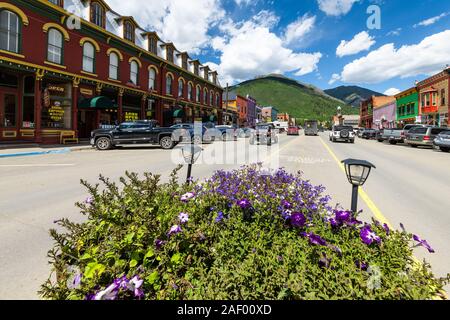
x=98, y=15
x=59, y=3
x=184, y=62
x=152, y=45
x=169, y=54
x=128, y=31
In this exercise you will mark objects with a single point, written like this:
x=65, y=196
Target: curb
x=36, y=153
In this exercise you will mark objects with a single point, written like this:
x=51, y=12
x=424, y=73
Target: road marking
x=363, y=194
x=36, y=165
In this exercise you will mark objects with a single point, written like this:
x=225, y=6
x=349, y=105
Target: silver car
x=442, y=141
x=423, y=136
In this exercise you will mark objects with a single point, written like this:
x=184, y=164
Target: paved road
x=409, y=186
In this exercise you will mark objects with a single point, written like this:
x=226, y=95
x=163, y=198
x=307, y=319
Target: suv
x=137, y=132
x=423, y=136
x=311, y=128
x=342, y=133
x=369, y=134
x=442, y=141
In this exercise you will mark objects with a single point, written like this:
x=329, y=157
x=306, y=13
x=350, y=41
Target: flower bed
x=244, y=234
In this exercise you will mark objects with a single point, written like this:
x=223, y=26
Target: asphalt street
x=409, y=186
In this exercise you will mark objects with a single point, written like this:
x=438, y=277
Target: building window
x=134, y=72
x=180, y=88
x=443, y=97
x=9, y=31
x=114, y=66
x=152, y=79
x=198, y=94
x=55, y=46
x=169, y=81
x=190, y=91
x=128, y=31
x=57, y=2
x=205, y=96
x=169, y=54
x=435, y=98
x=152, y=45
x=217, y=101
x=211, y=98
x=88, y=57
x=185, y=62
x=98, y=14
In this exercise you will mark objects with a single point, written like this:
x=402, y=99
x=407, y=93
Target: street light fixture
x=357, y=173
x=191, y=153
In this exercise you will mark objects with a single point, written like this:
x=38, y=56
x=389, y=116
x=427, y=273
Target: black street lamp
x=191, y=153
x=357, y=173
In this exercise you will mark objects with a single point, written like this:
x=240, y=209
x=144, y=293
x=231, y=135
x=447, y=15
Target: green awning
x=178, y=113
x=100, y=102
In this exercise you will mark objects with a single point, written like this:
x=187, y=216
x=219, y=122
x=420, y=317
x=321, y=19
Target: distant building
x=408, y=111
x=230, y=108
x=269, y=114
x=384, y=116
x=283, y=117
x=251, y=111
x=367, y=109
x=346, y=120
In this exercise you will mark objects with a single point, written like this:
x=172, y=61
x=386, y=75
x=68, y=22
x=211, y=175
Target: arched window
x=211, y=98
x=55, y=46
x=128, y=31
x=190, y=91
x=217, y=100
x=198, y=93
x=134, y=71
x=152, y=79
x=88, y=57
x=114, y=66
x=169, y=81
x=9, y=31
x=180, y=88
x=205, y=96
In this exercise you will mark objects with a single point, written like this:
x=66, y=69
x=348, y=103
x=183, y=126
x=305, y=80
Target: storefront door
x=9, y=117
x=86, y=123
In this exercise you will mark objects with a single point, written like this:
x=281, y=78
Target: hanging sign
x=56, y=112
x=46, y=98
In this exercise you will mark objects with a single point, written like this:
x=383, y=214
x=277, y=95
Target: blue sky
x=310, y=40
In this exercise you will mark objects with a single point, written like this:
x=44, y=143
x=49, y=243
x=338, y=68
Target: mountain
x=300, y=100
x=352, y=95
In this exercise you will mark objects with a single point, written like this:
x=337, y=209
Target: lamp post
x=357, y=172
x=191, y=153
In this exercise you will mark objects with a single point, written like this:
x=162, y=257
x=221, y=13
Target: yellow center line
x=362, y=193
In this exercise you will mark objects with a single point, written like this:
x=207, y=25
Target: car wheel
x=393, y=142
x=413, y=145
x=167, y=143
x=103, y=144
x=379, y=140
x=444, y=149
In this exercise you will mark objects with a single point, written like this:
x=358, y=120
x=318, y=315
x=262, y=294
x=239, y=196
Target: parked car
x=205, y=136
x=423, y=136
x=442, y=141
x=342, y=133
x=311, y=128
x=264, y=133
x=359, y=132
x=369, y=134
x=137, y=132
x=293, y=131
x=226, y=133
x=244, y=132
x=393, y=136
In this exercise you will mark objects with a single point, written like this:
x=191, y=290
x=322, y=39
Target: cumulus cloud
x=431, y=21
x=360, y=42
x=334, y=78
x=391, y=92
x=425, y=58
x=336, y=7
x=298, y=29
x=173, y=21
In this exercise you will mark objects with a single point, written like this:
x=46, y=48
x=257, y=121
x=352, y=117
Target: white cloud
x=245, y=2
x=425, y=58
x=360, y=42
x=173, y=19
x=391, y=92
x=334, y=78
x=395, y=32
x=336, y=7
x=297, y=30
x=431, y=21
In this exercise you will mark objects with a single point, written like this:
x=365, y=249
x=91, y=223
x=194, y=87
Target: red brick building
x=91, y=67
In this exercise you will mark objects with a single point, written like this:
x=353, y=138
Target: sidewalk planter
x=245, y=234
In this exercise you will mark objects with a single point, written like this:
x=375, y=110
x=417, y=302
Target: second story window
x=128, y=31
x=169, y=54
x=169, y=82
x=114, y=66
x=152, y=45
x=9, y=31
x=88, y=57
x=55, y=46
x=134, y=72
x=152, y=79
x=180, y=88
x=190, y=91
x=205, y=96
x=98, y=14
x=443, y=97
x=198, y=94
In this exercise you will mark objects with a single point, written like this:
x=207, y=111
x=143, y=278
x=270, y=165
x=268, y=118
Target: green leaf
x=176, y=258
x=94, y=269
x=153, y=277
x=150, y=253
x=133, y=263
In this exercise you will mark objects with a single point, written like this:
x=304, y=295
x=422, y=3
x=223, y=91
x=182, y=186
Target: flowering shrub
x=244, y=234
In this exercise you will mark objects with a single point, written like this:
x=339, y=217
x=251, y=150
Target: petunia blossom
x=244, y=204
x=187, y=196
x=298, y=220
x=174, y=230
x=183, y=217
x=314, y=239
x=368, y=236
x=423, y=243
x=109, y=293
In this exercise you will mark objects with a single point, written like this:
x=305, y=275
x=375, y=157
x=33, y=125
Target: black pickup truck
x=137, y=132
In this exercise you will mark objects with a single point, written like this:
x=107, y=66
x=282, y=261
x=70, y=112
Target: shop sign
x=131, y=116
x=55, y=88
x=46, y=98
x=88, y=92
x=56, y=112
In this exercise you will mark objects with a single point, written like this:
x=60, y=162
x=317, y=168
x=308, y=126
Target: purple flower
x=314, y=239
x=368, y=236
x=342, y=216
x=135, y=285
x=159, y=243
x=423, y=243
x=122, y=283
x=184, y=217
x=219, y=217
x=74, y=281
x=286, y=204
x=244, y=204
x=174, y=230
x=188, y=196
x=286, y=214
x=298, y=220
x=89, y=200
x=386, y=228
x=109, y=293
x=361, y=265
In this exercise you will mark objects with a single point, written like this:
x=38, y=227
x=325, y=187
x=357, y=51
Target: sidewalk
x=22, y=150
